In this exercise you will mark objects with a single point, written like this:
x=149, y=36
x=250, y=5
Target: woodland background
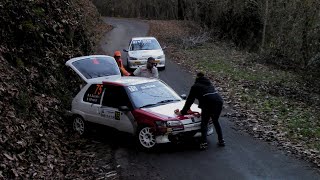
x=285, y=32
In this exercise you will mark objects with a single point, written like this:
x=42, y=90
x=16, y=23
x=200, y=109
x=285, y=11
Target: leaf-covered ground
x=281, y=107
x=37, y=38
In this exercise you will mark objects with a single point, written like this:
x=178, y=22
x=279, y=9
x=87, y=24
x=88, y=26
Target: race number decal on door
x=93, y=94
x=98, y=90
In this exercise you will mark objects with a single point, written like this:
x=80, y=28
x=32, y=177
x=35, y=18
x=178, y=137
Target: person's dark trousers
x=213, y=113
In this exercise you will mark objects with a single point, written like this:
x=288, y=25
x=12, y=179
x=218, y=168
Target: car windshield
x=97, y=67
x=151, y=94
x=144, y=44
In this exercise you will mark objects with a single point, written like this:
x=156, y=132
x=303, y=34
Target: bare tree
x=265, y=24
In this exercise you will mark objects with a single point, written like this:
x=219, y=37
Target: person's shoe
x=203, y=146
x=221, y=143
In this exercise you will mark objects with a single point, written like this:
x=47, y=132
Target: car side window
x=131, y=48
x=93, y=94
x=115, y=96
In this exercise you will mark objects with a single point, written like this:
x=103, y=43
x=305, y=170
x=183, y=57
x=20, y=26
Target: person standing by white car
x=150, y=70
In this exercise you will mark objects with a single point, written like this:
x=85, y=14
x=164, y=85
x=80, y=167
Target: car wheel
x=146, y=138
x=79, y=125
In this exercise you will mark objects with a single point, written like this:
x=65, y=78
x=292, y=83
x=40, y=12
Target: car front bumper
x=192, y=132
x=134, y=64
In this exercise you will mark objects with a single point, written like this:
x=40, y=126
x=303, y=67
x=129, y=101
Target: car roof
x=139, y=38
x=124, y=80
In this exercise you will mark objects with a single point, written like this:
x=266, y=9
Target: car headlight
x=161, y=123
x=169, y=123
x=160, y=57
x=169, y=126
x=174, y=123
x=133, y=58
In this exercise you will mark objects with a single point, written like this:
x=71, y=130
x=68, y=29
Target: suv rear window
x=97, y=67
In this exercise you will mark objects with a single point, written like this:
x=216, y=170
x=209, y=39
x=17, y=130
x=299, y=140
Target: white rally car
x=141, y=48
x=143, y=107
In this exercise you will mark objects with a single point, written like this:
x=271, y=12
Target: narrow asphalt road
x=243, y=158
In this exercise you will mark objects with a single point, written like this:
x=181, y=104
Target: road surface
x=243, y=157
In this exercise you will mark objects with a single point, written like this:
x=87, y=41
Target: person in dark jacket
x=210, y=103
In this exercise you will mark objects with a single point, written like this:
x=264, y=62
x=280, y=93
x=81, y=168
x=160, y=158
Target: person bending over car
x=150, y=70
x=117, y=57
x=210, y=103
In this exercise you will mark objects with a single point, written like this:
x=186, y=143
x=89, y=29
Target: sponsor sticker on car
x=132, y=88
x=144, y=41
x=117, y=115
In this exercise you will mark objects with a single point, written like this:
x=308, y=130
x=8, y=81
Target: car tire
x=145, y=138
x=79, y=125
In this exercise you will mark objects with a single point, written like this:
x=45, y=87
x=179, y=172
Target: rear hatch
x=96, y=67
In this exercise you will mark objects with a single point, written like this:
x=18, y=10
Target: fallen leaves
x=8, y=156
x=35, y=141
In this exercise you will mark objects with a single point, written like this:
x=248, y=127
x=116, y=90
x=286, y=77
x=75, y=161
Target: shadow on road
x=116, y=140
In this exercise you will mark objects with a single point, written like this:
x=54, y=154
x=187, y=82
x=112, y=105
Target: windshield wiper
x=160, y=102
x=168, y=100
x=148, y=105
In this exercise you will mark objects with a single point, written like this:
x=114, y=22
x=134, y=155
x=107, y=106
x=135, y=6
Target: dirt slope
x=37, y=37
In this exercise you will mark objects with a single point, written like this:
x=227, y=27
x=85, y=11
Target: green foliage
x=304, y=123
x=28, y=26
x=314, y=65
x=19, y=62
x=222, y=64
x=39, y=11
x=273, y=93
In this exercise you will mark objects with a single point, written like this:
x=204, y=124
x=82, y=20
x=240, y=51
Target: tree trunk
x=180, y=10
x=265, y=25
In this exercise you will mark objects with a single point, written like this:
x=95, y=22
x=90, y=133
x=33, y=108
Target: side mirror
x=164, y=47
x=125, y=50
x=183, y=96
x=124, y=108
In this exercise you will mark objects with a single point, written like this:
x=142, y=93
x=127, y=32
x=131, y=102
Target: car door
x=113, y=97
x=90, y=68
x=90, y=107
